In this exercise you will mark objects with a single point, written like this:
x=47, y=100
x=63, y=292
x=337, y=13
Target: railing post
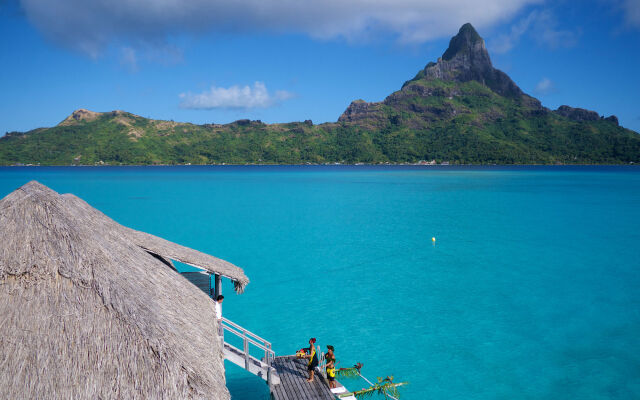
x=246, y=351
x=249, y=338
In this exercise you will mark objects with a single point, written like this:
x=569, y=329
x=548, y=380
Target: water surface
x=532, y=290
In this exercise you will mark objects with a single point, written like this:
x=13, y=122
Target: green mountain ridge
x=459, y=109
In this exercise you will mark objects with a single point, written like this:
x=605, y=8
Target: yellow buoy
x=433, y=239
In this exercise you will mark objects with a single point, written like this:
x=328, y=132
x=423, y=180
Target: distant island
x=457, y=110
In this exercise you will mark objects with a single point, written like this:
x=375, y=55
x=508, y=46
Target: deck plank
x=288, y=377
x=281, y=394
x=289, y=384
x=299, y=379
x=293, y=381
x=302, y=370
x=296, y=379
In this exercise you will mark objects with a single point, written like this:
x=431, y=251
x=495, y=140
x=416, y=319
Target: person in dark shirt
x=313, y=359
x=330, y=367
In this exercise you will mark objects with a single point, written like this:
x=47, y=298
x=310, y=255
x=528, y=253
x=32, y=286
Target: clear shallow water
x=532, y=290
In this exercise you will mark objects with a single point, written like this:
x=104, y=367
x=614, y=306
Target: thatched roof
x=162, y=247
x=87, y=312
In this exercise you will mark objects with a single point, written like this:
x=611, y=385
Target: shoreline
x=335, y=165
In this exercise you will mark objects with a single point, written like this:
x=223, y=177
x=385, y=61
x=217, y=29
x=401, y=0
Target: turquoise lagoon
x=531, y=291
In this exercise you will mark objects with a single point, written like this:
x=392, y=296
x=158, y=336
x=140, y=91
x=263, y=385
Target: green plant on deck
x=350, y=372
x=385, y=387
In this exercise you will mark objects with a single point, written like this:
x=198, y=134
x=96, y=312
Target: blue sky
x=215, y=61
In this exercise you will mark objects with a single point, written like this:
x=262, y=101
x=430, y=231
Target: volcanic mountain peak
x=467, y=41
x=467, y=59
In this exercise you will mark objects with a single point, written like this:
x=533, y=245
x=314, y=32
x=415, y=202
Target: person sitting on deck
x=330, y=367
x=313, y=359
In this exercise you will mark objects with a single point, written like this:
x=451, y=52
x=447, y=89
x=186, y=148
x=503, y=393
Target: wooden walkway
x=293, y=381
x=285, y=375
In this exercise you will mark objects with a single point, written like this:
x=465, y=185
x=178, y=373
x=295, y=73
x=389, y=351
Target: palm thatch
x=87, y=312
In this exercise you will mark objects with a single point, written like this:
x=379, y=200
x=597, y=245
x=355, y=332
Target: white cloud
x=506, y=42
x=545, y=86
x=132, y=56
x=234, y=97
x=632, y=11
x=542, y=26
x=90, y=26
x=128, y=58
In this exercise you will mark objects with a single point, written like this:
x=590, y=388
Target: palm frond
x=384, y=388
x=349, y=372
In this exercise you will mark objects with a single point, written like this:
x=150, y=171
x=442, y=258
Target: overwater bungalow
x=92, y=309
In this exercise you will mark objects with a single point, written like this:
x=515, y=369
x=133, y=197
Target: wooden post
x=217, y=286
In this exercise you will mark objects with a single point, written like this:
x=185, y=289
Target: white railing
x=248, y=338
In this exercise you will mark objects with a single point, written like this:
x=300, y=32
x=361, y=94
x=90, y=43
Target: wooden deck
x=293, y=381
x=285, y=375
